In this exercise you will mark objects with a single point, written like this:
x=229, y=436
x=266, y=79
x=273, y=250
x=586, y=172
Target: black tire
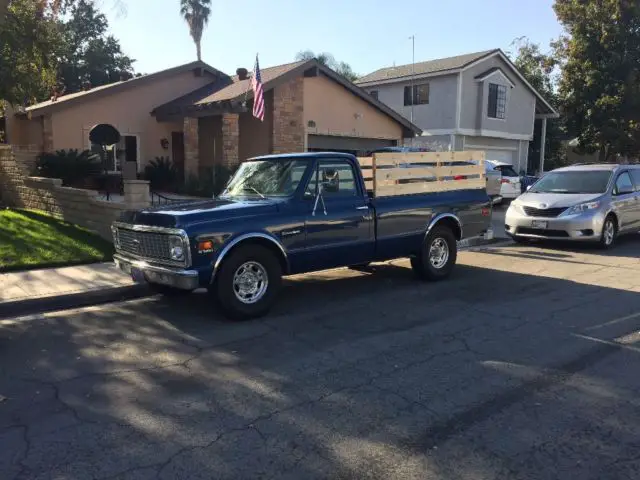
x=168, y=291
x=606, y=242
x=421, y=263
x=227, y=294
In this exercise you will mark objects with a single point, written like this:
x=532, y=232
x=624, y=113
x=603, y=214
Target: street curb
x=73, y=300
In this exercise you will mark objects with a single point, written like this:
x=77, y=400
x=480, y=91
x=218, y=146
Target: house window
x=124, y=151
x=497, y=107
x=374, y=94
x=420, y=94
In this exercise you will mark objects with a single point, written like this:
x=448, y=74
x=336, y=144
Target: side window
x=623, y=184
x=635, y=175
x=337, y=177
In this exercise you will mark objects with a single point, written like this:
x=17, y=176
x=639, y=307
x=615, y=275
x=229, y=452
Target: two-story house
x=478, y=101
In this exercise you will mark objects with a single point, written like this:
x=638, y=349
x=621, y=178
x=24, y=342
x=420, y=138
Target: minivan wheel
x=248, y=282
x=438, y=254
x=609, y=233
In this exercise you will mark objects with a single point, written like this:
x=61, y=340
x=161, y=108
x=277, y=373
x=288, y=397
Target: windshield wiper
x=253, y=189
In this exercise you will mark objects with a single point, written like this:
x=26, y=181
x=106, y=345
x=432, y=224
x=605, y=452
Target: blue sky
x=367, y=34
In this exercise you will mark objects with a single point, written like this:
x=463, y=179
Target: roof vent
x=243, y=73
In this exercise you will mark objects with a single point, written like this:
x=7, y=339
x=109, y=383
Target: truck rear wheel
x=248, y=282
x=438, y=254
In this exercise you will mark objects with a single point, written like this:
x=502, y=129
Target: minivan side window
x=623, y=184
x=635, y=175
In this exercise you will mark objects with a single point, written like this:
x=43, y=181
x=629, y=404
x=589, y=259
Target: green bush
x=162, y=174
x=209, y=181
x=73, y=167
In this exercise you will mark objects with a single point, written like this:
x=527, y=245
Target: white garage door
x=506, y=156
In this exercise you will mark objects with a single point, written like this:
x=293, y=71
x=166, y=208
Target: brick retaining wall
x=74, y=205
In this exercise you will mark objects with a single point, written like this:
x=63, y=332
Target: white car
x=510, y=182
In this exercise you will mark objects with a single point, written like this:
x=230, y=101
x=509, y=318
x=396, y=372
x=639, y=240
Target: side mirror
x=622, y=191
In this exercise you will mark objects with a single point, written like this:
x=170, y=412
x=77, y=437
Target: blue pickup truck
x=288, y=214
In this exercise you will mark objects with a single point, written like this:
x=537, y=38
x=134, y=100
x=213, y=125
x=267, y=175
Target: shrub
x=162, y=174
x=73, y=167
x=209, y=181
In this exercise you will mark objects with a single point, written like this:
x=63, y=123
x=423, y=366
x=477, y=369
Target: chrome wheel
x=608, y=232
x=438, y=253
x=250, y=282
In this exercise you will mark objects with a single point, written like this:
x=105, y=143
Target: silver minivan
x=593, y=203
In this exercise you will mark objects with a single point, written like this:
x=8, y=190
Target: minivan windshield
x=266, y=178
x=586, y=181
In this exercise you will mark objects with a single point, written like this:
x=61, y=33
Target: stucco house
x=477, y=101
x=199, y=116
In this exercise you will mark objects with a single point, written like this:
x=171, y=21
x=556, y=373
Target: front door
x=177, y=152
x=339, y=225
x=624, y=202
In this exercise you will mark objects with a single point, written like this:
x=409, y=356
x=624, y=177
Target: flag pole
x=246, y=92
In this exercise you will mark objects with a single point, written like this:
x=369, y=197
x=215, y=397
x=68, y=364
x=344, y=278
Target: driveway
x=522, y=366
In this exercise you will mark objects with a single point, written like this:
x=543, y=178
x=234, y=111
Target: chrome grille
x=543, y=212
x=152, y=246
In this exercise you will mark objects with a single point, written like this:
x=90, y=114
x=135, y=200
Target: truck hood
x=179, y=215
x=556, y=200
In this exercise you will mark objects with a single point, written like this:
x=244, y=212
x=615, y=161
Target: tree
x=540, y=70
x=600, y=82
x=30, y=44
x=329, y=60
x=90, y=57
x=196, y=13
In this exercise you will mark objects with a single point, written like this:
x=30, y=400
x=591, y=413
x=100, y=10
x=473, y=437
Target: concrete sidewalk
x=40, y=290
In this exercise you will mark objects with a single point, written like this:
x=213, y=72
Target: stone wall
x=288, y=117
x=74, y=205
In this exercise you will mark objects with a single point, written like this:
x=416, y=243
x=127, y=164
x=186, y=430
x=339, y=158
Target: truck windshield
x=266, y=178
x=594, y=181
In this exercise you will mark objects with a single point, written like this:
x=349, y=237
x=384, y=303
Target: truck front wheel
x=248, y=282
x=438, y=254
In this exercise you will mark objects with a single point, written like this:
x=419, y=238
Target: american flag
x=258, y=93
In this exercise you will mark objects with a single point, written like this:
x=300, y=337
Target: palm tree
x=196, y=14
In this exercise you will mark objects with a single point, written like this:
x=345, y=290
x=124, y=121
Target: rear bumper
x=583, y=227
x=173, y=277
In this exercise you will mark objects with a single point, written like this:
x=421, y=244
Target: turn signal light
x=205, y=246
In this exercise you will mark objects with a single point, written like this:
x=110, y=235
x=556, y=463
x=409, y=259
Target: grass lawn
x=30, y=239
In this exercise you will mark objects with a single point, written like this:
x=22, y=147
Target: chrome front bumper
x=142, y=271
x=581, y=227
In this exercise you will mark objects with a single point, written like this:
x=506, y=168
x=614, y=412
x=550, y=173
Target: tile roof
x=431, y=66
x=240, y=87
x=122, y=84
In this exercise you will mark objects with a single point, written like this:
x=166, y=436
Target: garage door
x=346, y=144
x=505, y=156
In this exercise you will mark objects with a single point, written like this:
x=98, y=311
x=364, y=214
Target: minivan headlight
x=176, y=248
x=582, y=207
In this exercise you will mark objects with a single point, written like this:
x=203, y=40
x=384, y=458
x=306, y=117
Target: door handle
x=365, y=207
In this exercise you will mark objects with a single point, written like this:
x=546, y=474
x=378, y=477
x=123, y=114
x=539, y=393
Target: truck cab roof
x=305, y=155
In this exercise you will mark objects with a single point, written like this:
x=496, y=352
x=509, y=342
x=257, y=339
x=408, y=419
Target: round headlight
x=177, y=253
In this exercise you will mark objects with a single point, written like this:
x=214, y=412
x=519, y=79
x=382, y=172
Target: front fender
x=261, y=237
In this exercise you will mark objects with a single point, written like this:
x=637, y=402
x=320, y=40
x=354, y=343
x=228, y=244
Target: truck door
x=339, y=223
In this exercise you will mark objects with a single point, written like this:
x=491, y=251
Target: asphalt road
x=524, y=365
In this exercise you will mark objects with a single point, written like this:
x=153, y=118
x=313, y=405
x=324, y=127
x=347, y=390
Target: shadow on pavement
x=354, y=375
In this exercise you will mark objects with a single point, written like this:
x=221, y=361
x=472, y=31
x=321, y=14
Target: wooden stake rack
x=388, y=174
